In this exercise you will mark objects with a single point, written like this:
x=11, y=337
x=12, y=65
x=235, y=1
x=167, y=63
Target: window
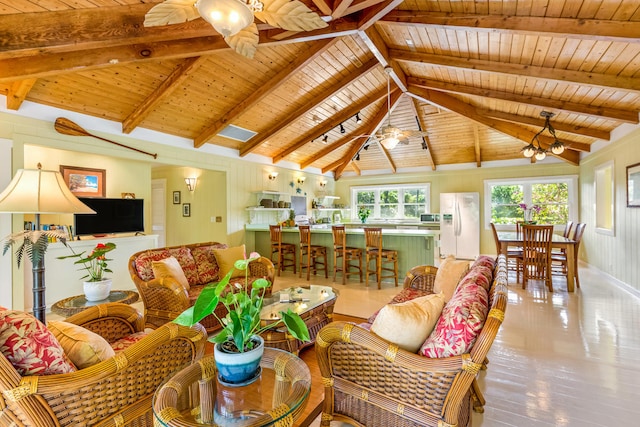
x=554, y=196
x=392, y=201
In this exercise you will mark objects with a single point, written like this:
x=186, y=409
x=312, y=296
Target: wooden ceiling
x=474, y=74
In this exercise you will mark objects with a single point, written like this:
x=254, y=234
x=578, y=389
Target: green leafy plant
x=95, y=263
x=363, y=213
x=33, y=243
x=244, y=303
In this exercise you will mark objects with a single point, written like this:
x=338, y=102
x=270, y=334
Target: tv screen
x=112, y=216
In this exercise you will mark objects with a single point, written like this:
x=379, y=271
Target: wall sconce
x=273, y=176
x=191, y=183
x=301, y=180
x=323, y=184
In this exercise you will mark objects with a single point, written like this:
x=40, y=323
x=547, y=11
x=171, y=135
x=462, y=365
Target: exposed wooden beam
x=374, y=13
x=330, y=148
x=606, y=81
x=355, y=167
x=330, y=167
x=415, y=108
x=546, y=103
x=452, y=104
x=340, y=7
x=387, y=157
x=588, y=29
x=361, y=5
x=17, y=93
x=285, y=121
x=265, y=89
x=378, y=48
x=323, y=6
x=175, y=79
x=476, y=143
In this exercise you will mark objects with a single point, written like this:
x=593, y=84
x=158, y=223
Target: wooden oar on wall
x=67, y=127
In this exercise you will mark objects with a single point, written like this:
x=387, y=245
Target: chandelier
x=228, y=17
x=534, y=148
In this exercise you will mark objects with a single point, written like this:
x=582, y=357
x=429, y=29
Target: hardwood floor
x=560, y=359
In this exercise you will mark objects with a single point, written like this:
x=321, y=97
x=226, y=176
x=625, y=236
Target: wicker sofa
x=369, y=381
x=164, y=298
x=115, y=392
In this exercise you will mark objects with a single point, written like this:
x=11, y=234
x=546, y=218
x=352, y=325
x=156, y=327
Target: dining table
x=513, y=238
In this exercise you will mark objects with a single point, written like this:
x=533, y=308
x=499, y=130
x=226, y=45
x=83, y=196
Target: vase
x=528, y=215
x=239, y=369
x=98, y=290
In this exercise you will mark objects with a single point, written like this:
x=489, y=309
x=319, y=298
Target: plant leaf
x=171, y=12
x=290, y=15
x=295, y=324
x=245, y=42
x=185, y=318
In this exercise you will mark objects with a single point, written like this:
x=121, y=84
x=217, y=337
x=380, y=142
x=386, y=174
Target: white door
x=159, y=210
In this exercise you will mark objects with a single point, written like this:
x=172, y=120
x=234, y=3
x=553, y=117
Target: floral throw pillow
x=188, y=264
x=30, y=346
x=144, y=260
x=206, y=262
x=128, y=341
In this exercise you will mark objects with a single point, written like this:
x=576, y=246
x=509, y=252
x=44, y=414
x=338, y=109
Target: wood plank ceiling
x=474, y=74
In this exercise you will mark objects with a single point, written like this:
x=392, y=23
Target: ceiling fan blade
x=410, y=133
x=245, y=42
x=171, y=12
x=290, y=15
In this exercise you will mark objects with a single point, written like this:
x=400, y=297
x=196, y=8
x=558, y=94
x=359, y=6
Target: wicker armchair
x=115, y=392
x=370, y=382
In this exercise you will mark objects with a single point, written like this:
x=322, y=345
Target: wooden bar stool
x=281, y=250
x=315, y=255
x=374, y=250
x=348, y=254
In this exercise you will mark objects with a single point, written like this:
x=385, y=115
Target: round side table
x=72, y=305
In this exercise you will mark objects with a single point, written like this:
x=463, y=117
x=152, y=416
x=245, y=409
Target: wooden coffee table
x=313, y=303
x=72, y=305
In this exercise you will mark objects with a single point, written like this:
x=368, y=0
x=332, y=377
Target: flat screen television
x=112, y=216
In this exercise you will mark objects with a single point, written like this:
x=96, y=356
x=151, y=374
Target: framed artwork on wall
x=633, y=186
x=186, y=209
x=85, y=182
x=176, y=197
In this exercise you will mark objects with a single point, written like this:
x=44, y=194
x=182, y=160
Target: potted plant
x=363, y=213
x=97, y=287
x=238, y=346
x=528, y=212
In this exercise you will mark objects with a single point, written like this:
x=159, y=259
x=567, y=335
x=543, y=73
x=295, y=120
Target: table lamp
x=38, y=191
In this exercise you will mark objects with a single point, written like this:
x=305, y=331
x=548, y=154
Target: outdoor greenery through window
x=548, y=200
x=391, y=202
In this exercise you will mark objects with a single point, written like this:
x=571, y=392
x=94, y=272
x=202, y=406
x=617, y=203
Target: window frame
x=527, y=183
x=376, y=189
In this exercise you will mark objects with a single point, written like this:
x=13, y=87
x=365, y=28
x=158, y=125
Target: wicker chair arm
x=421, y=277
x=112, y=321
x=164, y=294
x=263, y=267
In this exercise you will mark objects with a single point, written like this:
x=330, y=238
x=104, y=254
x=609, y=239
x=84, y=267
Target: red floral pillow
x=479, y=275
x=486, y=261
x=461, y=321
x=144, y=260
x=128, y=341
x=188, y=264
x=30, y=346
x=206, y=262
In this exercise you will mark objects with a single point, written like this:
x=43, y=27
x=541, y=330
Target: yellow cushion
x=170, y=267
x=408, y=324
x=83, y=347
x=225, y=259
x=449, y=274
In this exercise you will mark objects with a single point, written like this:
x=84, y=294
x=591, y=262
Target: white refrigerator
x=460, y=225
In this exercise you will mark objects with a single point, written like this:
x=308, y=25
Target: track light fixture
x=342, y=129
x=358, y=119
x=536, y=150
x=358, y=157
x=325, y=138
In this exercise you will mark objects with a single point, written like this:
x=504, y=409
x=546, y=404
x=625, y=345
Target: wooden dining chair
x=514, y=255
x=312, y=257
x=559, y=260
x=375, y=252
x=283, y=255
x=344, y=256
x=567, y=229
x=536, y=254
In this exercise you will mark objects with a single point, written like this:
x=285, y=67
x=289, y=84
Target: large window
x=553, y=199
x=391, y=201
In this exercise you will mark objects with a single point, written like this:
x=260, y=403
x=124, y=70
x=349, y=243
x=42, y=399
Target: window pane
x=414, y=195
x=392, y=201
x=414, y=211
x=366, y=197
x=504, y=203
x=388, y=211
x=553, y=199
x=389, y=196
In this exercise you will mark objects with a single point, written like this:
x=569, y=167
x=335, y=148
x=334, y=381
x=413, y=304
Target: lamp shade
x=42, y=192
x=228, y=17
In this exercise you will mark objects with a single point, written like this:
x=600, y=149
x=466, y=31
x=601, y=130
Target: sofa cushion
x=405, y=294
x=480, y=275
x=206, y=262
x=461, y=321
x=187, y=263
x=126, y=342
x=408, y=324
x=486, y=261
x=144, y=260
x=170, y=267
x=83, y=347
x=448, y=276
x=227, y=257
x=30, y=347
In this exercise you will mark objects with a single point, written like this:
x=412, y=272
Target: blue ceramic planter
x=238, y=369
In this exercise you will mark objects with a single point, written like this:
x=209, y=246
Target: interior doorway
x=159, y=210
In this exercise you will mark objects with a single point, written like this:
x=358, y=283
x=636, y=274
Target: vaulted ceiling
x=474, y=74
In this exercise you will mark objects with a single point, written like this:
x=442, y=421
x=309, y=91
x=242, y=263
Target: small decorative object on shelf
x=97, y=287
x=363, y=214
x=528, y=212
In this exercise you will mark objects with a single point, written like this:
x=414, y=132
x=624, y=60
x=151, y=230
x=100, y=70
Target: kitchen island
x=414, y=246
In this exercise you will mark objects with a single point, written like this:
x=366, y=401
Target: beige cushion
x=449, y=274
x=170, y=267
x=83, y=347
x=408, y=324
x=225, y=259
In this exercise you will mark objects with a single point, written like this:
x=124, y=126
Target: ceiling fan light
x=529, y=151
x=389, y=142
x=228, y=17
x=557, y=147
x=540, y=155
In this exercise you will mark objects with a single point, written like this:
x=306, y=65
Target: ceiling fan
x=234, y=19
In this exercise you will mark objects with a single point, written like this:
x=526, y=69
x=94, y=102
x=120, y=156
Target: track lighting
x=325, y=138
x=536, y=150
x=342, y=129
x=358, y=119
x=357, y=156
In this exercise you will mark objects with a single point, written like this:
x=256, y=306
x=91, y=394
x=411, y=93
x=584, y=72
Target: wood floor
x=559, y=359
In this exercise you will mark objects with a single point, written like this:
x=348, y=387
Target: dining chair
x=345, y=254
x=560, y=259
x=375, y=252
x=312, y=257
x=284, y=253
x=514, y=255
x=567, y=229
x=536, y=254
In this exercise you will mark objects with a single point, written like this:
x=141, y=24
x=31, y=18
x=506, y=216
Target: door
x=159, y=210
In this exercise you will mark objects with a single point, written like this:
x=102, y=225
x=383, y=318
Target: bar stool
x=281, y=250
x=348, y=254
x=314, y=254
x=373, y=245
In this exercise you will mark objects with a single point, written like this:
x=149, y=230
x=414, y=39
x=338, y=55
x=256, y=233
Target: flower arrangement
x=528, y=210
x=363, y=213
x=95, y=263
x=244, y=306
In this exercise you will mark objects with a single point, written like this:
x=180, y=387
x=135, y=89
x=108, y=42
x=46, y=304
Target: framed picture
x=176, y=197
x=85, y=182
x=633, y=186
x=186, y=209
x=128, y=195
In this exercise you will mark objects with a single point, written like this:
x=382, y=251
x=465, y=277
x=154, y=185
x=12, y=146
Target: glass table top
x=299, y=299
